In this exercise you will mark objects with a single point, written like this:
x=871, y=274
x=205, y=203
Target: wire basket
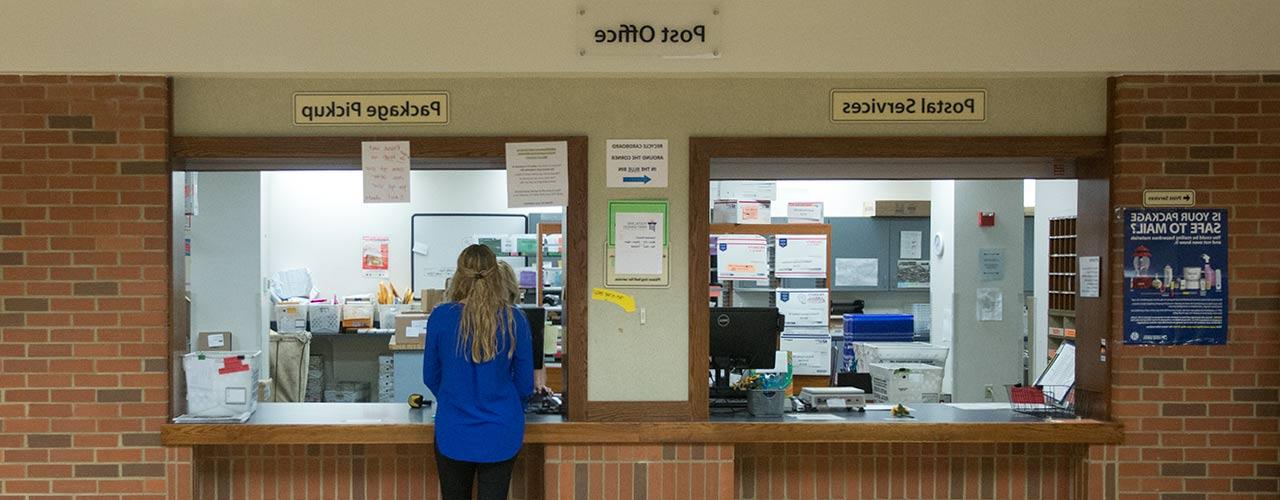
x=1046, y=401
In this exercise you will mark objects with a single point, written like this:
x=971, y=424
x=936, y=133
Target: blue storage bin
x=873, y=328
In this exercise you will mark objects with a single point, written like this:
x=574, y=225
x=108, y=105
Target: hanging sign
x=636, y=163
x=908, y=105
x=370, y=108
x=636, y=254
x=1175, y=287
x=385, y=171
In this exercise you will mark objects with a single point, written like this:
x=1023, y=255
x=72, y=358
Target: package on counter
x=411, y=329
x=291, y=317
x=740, y=212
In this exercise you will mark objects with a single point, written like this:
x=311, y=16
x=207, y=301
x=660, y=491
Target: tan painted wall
x=837, y=36
x=630, y=361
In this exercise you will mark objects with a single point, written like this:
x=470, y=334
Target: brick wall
x=909, y=470
x=1201, y=421
x=639, y=472
x=343, y=472
x=83, y=301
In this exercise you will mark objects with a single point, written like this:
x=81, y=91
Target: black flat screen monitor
x=745, y=337
x=537, y=317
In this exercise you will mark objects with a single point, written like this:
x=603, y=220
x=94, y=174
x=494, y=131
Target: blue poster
x=1175, y=276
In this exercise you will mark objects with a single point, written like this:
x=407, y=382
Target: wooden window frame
x=283, y=153
x=1093, y=171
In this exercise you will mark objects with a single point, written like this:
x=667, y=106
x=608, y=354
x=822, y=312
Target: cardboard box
x=431, y=297
x=740, y=212
x=900, y=208
x=804, y=212
x=411, y=329
x=214, y=341
x=291, y=317
x=357, y=315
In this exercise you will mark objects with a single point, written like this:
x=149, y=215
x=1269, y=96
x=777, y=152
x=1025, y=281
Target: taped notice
x=626, y=302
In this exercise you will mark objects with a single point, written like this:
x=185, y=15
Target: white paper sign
x=990, y=304
x=216, y=340
x=638, y=239
x=800, y=256
x=810, y=352
x=1090, y=276
x=857, y=272
x=909, y=244
x=640, y=163
x=385, y=168
x=742, y=257
x=537, y=174
x=803, y=307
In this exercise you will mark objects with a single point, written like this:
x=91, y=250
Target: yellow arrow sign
x=626, y=302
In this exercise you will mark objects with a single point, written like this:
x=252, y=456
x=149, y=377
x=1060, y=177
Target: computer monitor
x=537, y=317
x=745, y=337
x=741, y=338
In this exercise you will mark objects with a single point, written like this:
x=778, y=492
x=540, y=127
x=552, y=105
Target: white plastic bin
x=867, y=353
x=222, y=384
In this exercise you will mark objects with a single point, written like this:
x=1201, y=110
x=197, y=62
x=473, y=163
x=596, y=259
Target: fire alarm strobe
x=986, y=219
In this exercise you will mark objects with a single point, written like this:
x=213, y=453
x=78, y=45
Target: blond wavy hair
x=484, y=291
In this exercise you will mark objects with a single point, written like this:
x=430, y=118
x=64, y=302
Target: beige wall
x=630, y=361
x=837, y=36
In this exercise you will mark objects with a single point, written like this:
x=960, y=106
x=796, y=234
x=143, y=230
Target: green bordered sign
x=637, y=253
x=370, y=108
x=908, y=105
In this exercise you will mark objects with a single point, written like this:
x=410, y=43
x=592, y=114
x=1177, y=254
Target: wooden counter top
x=392, y=423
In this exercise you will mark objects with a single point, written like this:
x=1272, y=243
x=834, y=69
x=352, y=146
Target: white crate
x=325, y=318
x=906, y=382
x=221, y=384
x=866, y=353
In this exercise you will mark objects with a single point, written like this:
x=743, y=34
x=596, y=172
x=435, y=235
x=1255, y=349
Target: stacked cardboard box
x=386, y=379
x=315, y=379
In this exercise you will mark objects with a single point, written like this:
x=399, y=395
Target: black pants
x=493, y=479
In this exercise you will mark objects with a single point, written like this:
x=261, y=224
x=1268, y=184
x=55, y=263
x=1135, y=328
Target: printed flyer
x=1175, y=276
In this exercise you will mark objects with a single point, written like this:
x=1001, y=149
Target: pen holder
x=766, y=403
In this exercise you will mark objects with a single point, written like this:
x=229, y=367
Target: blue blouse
x=479, y=406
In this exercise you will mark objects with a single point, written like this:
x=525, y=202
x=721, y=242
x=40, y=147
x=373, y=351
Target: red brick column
x=83, y=300
x=1201, y=421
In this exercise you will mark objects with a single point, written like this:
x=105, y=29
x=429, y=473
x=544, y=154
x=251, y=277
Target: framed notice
x=636, y=254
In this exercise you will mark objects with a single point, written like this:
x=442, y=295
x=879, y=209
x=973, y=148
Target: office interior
x=250, y=235
x=913, y=250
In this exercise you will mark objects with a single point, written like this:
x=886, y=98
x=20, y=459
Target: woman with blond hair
x=478, y=363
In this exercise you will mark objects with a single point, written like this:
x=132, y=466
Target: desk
x=395, y=423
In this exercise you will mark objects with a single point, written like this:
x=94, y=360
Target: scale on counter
x=833, y=398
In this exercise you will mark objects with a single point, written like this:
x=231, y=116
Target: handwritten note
x=386, y=171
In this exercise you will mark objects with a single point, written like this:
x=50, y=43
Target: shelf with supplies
x=1063, y=272
x=769, y=232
